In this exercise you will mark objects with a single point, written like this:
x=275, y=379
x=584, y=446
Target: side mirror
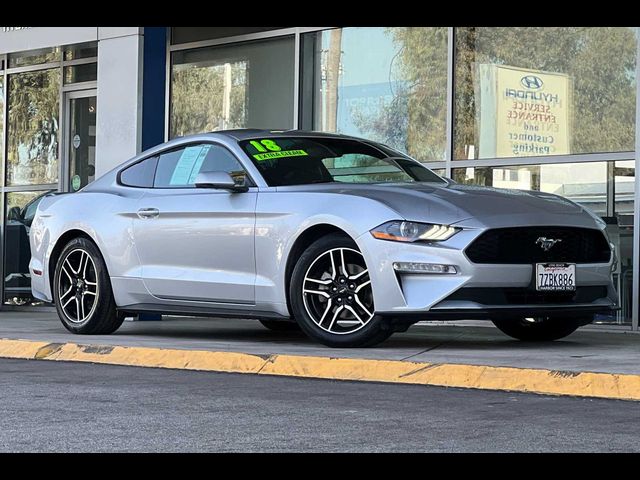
x=220, y=181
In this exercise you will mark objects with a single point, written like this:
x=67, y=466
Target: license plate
x=555, y=277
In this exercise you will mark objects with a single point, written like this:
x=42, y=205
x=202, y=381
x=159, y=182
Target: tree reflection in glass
x=599, y=63
x=208, y=98
x=33, y=120
x=386, y=84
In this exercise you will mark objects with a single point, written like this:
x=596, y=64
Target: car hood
x=465, y=204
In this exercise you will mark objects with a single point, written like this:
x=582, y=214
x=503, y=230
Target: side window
x=179, y=168
x=141, y=174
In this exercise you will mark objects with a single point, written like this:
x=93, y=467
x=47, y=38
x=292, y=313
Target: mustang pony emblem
x=546, y=243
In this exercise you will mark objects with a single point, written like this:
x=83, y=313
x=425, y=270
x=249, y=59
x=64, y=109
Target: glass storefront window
x=81, y=50
x=34, y=57
x=386, y=84
x=32, y=138
x=1, y=119
x=82, y=141
x=621, y=232
x=20, y=210
x=624, y=177
x=86, y=72
x=235, y=86
x=584, y=183
x=539, y=91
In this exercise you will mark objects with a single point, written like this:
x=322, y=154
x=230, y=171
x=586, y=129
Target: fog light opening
x=415, y=267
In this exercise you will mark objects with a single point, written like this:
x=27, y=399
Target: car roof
x=247, y=133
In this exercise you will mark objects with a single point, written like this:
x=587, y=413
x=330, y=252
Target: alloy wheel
x=337, y=292
x=78, y=286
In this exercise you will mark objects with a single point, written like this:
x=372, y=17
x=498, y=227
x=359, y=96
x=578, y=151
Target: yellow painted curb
x=584, y=384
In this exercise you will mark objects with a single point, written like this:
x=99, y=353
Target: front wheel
x=540, y=329
x=331, y=295
x=82, y=290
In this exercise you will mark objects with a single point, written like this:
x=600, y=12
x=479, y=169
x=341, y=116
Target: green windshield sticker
x=280, y=154
x=266, y=145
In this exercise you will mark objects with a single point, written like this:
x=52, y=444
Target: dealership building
x=551, y=109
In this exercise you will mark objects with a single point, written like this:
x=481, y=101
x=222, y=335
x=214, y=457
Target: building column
x=119, y=116
x=130, y=107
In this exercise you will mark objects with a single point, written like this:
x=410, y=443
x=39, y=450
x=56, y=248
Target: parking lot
x=125, y=408
x=73, y=407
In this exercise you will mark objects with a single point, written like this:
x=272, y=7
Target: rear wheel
x=331, y=295
x=82, y=290
x=540, y=329
x=280, y=326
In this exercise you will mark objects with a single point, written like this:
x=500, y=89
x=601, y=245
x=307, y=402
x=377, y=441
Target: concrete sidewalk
x=251, y=348
x=584, y=351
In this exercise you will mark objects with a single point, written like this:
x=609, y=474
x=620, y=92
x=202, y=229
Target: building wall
x=120, y=75
x=18, y=39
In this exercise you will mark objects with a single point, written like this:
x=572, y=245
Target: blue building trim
x=153, y=86
x=153, y=89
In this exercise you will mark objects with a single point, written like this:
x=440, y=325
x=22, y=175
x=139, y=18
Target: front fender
x=281, y=218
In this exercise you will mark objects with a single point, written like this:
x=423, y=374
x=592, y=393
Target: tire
x=80, y=270
x=281, y=326
x=541, y=329
x=333, y=324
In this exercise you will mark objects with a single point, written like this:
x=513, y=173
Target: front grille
x=527, y=296
x=518, y=245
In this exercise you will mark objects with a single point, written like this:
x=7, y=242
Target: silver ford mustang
x=344, y=238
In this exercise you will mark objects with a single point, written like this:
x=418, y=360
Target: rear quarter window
x=140, y=174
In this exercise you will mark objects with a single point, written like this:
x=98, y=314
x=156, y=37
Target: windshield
x=304, y=160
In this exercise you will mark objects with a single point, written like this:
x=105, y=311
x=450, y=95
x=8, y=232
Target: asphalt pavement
x=73, y=407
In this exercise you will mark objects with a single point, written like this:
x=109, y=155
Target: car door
x=197, y=244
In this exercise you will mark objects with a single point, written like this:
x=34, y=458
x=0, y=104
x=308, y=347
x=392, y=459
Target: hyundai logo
x=531, y=82
x=546, y=243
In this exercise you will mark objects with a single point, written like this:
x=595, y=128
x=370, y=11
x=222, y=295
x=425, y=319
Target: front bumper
x=427, y=296
x=500, y=313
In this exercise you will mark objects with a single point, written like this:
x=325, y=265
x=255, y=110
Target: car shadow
x=417, y=338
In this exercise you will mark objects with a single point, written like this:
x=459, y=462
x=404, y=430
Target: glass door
x=80, y=141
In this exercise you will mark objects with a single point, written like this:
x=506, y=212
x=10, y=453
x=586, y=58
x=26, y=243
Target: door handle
x=148, y=213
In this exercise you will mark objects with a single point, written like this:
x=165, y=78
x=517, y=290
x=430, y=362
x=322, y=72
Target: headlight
x=401, y=231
